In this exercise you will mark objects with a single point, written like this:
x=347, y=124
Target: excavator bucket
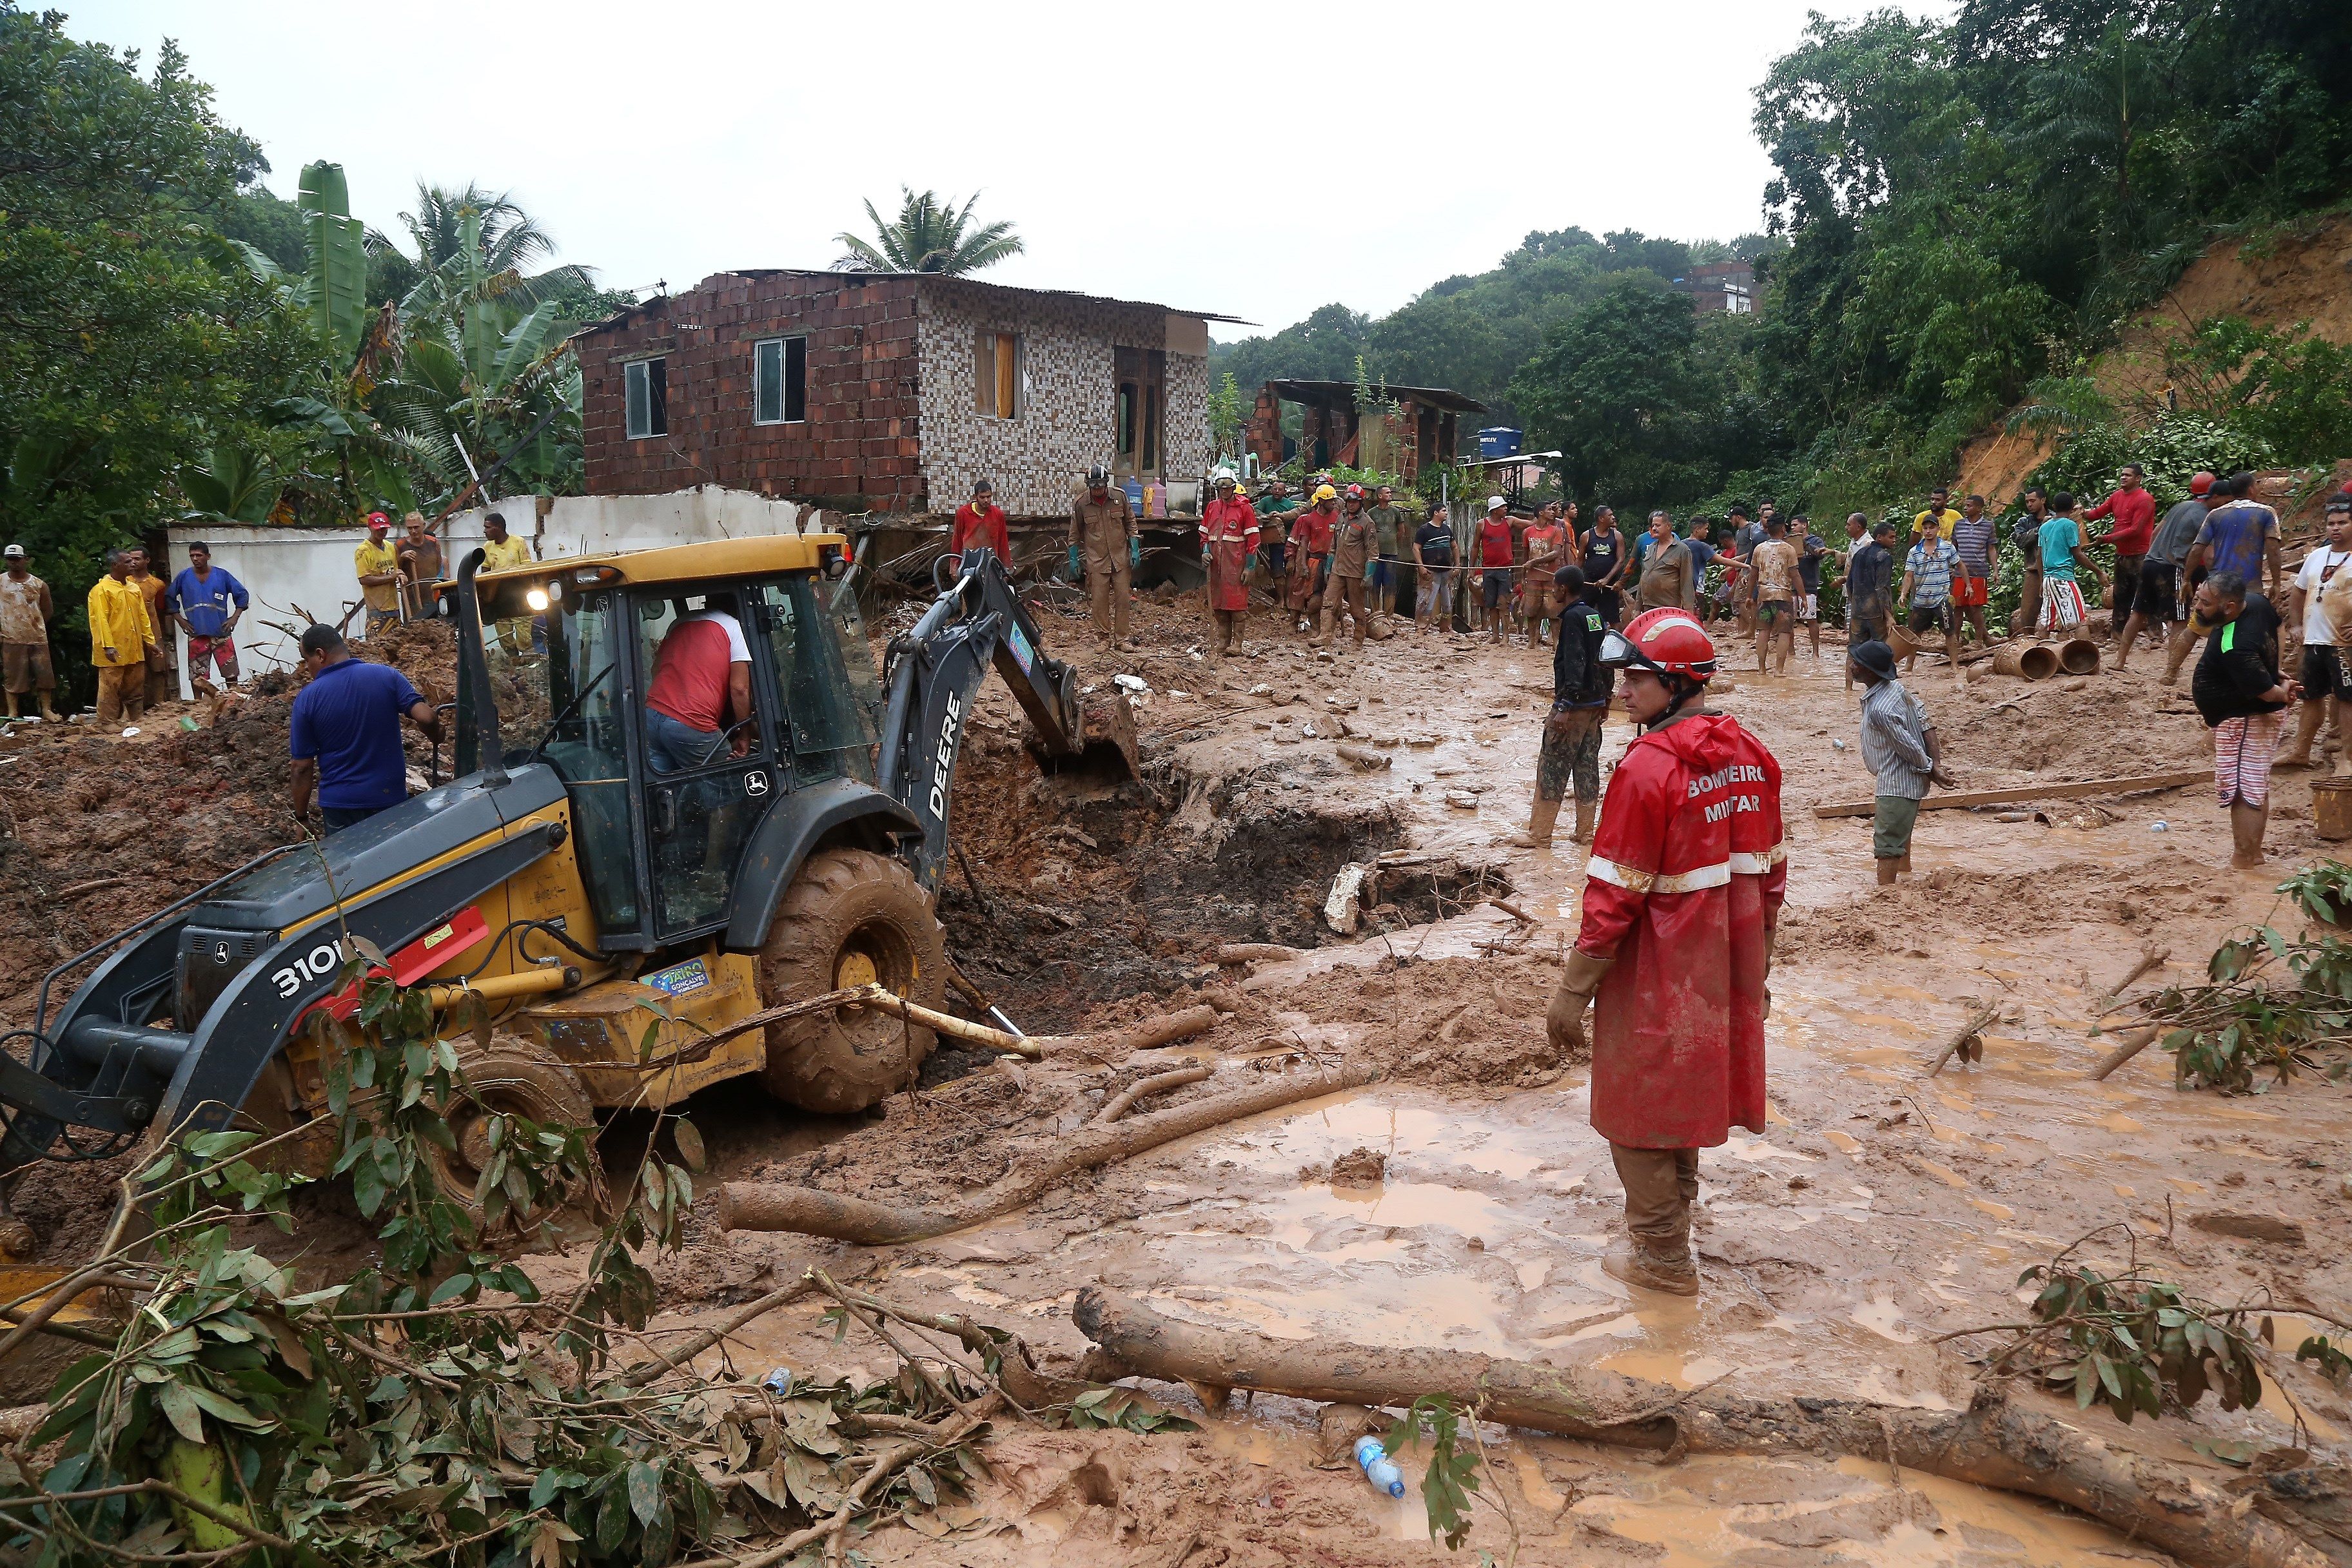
x=1106, y=750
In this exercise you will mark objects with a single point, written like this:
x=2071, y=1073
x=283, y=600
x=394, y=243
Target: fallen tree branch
x=775, y=1207
x=1143, y=1088
x=1514, y=910
x=1985, y=1014
x=2128, y=1046
x=685, y=1349
x=1998, y=1441
x=1256, y=953
x=2148, y=959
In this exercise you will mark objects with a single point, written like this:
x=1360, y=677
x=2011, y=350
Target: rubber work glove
x=1134, y=554
x=1075, y=570
x=1249, y=562
x=1564, y=1020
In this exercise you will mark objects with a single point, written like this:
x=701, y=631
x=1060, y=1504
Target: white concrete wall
x=311, y=568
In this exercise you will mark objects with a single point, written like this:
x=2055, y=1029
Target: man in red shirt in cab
x=1682, y=892
x=701, y=693
x=1229, y=549
x=980, y=522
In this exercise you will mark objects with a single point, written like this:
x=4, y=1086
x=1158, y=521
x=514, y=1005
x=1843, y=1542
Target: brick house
x=1425, y=428
x=1729, y=285
x=891, y=391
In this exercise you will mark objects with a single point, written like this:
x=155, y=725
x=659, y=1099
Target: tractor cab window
x=587, y=745
x=824, y=671
x=707, y=763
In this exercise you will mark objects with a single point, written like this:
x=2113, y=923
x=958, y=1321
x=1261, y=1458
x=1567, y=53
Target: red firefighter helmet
x=1665, y=641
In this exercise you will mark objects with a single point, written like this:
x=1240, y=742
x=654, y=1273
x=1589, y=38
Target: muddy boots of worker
x=1661, y=1185
x=1537, y=832
x=1586, y=811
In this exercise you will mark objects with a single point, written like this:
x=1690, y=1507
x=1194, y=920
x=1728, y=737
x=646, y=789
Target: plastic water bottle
x=2159, y=827
x=778, y=1381
x=1377, y=1467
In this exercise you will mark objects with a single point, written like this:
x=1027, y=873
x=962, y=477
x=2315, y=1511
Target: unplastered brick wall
x=1068, y=423
x=859, y=445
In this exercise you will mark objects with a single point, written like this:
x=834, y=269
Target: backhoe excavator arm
x=934, y=670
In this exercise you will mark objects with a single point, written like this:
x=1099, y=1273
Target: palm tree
x=928, y=235
x=510, y=238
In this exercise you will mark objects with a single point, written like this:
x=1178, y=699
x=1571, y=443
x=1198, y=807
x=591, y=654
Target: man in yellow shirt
x=1939, y=506
x=379, y=573
x=120, y=638
x=500, y=550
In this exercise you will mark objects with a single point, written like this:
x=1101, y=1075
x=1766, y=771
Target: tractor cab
x=624, y=674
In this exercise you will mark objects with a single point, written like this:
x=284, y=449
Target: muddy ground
x=1464, y=1201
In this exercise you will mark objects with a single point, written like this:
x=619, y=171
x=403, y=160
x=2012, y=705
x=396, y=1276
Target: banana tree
x=477, y=378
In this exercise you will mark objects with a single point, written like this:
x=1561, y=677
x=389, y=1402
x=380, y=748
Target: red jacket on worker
x=1310, y=531
x=2135, y=526
x=1686, y=878
x=1229, y=536
x=973, y=526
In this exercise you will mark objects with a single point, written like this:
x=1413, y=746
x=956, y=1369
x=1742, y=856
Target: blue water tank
x=1498, y=441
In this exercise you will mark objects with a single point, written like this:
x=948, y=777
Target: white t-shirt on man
x=2317, y=568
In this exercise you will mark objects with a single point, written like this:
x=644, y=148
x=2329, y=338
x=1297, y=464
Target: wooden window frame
x=992, y=378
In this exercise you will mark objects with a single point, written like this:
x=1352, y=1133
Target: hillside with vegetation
x=1967, y=214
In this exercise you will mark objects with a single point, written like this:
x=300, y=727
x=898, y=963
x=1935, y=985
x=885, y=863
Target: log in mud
x=1999, y=1441
x=767, y=1205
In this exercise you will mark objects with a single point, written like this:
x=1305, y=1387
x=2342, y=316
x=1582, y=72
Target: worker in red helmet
x=1682, y=892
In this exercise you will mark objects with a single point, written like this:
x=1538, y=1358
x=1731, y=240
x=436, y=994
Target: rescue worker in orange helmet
x=1229, y=541
x=1681, y=896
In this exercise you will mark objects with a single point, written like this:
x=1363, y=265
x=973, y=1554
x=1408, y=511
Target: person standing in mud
x=1228, y=548
x=1681, y=893
x=1105, y=550
x=120, y=636
x=1579, y=703
x=1869, y=580
x=1310, y=556
x=1351, y=555
x=26, y=609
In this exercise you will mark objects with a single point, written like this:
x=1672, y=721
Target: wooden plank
x=1968, y=797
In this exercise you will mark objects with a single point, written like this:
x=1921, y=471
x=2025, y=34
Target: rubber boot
x=1586, y=812
x=1537, y=832
x=2308, y=717
x=1637, y=1266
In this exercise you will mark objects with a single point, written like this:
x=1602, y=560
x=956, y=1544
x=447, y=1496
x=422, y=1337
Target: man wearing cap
x=980, y=523
x=206, y=602
x=1105, y=545
x=1495, y=555
x=1681, y=893
x=119, y=637
x=2157, y=601
x=1351, y=555
x=378, y=565
x=25, y=611
x=1310, y=555
x=1901, y=748
x=1228, y=548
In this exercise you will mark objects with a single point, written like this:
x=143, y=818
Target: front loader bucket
x=1107, y=751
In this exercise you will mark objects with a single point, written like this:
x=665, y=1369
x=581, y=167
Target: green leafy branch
x=2271, y=1002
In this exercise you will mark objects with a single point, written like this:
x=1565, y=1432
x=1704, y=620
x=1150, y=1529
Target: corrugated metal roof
x=1325, y=393
x=854, y=278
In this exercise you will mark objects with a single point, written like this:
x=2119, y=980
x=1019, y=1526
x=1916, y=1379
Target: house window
x=996, y=365
x=645, y=383
x=780, y=381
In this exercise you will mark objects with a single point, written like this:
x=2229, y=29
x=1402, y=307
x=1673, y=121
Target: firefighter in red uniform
x=1681, y=896
x=1229, y=548
x=1310, y=555
x=981, y=522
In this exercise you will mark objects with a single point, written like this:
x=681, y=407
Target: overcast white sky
x=1253, y=159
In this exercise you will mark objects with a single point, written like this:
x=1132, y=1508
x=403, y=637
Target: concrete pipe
x=2079, y=655
x=2028, y=661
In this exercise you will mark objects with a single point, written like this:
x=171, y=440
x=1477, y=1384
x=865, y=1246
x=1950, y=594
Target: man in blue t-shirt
x=345, y=735
x=208, y=602
x=2240, y=536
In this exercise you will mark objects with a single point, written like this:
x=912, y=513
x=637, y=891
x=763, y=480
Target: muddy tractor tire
x=509, y=1077
x=851, y=917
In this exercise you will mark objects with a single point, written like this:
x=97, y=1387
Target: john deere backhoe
x=579, y=894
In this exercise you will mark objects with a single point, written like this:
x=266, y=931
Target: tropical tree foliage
x=928, y=236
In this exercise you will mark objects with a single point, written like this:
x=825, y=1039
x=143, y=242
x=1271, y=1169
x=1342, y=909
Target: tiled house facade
x=890, y=392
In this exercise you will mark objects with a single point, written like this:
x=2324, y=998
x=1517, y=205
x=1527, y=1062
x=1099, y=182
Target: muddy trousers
x=1228, y=630
x=122, y=692
x=1661, y=1184
x=1107, y=580
x=1344, y=600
